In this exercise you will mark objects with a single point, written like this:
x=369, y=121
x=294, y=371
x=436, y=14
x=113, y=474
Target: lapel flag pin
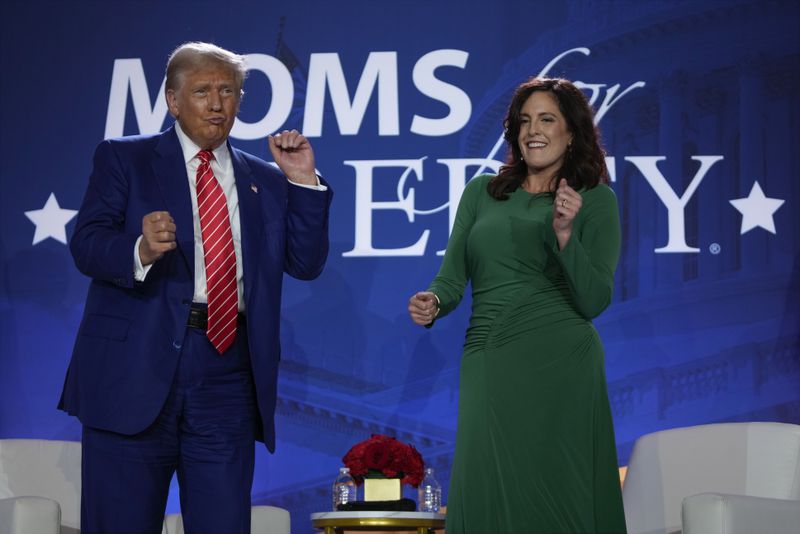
x=254, y=188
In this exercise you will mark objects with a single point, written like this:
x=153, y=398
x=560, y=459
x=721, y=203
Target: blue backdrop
x=403, y=101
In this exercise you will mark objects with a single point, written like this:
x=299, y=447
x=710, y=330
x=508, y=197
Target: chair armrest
x=270, y=520
x=173, y=524
x=716, y=513
x=30, y=515
x=263, y=520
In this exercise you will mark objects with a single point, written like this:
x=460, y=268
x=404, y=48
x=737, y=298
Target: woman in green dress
x=535, y=449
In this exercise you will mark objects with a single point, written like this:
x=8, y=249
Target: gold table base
x=338, y=525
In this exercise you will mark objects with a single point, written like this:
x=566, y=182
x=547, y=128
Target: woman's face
x=543, y=134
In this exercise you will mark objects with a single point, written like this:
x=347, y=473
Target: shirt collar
x=190, y=149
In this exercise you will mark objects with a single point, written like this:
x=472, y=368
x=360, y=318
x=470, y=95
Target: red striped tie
x=220, y=258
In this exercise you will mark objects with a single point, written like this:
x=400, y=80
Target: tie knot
x=205, y=156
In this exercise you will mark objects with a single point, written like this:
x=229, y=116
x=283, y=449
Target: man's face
x=205, y=103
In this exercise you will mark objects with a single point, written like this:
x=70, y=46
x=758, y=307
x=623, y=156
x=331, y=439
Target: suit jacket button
x=176, y=345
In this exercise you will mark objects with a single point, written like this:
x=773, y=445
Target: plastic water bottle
x=344, y=488
x=430, y=493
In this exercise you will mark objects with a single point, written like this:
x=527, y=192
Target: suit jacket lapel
x=250, y=216
x=170, y=170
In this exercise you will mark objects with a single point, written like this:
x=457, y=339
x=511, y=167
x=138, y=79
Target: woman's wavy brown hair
x=584, y=165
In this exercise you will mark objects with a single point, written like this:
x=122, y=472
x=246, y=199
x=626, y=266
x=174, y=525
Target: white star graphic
x=50, y=221
x=757, y=210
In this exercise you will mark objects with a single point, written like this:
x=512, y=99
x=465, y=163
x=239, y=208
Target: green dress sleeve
x=453, y=274
x=590, y=257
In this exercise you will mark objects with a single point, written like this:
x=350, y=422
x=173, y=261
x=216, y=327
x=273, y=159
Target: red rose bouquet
x=384, y=457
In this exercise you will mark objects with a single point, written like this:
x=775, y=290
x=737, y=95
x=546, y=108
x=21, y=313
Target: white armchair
x=263, y=520
x=731, y=478
x=40, y=486
x=40, y=492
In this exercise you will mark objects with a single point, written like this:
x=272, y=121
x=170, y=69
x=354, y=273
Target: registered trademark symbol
x=714, y=248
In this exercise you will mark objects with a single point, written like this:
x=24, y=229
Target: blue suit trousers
x=205, y=432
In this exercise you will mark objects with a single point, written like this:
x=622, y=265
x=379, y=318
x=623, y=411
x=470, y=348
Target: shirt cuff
x=139, y=271
x=318, y=187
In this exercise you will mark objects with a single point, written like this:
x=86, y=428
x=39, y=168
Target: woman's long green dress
x=535, y=449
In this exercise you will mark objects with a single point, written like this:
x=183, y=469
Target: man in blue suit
x=154, y=393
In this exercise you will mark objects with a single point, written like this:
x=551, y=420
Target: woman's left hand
x=566, y=206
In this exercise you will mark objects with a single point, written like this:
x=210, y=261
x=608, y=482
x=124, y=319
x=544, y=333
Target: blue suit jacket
x=127, y=347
